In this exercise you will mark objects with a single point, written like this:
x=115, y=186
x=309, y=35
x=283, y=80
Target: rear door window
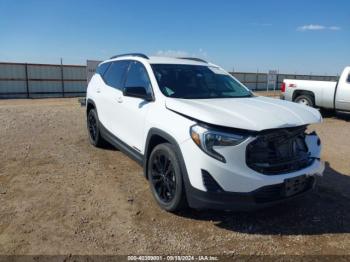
x=115, y=74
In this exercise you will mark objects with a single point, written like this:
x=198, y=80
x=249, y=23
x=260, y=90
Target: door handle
x=98, y=90
x=120, y=99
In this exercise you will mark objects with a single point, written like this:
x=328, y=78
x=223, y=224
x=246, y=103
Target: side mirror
x=137, y=91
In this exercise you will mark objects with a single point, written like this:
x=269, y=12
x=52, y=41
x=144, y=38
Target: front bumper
x=240, y=185
x=261, y=198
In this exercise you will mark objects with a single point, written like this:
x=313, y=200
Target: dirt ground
x=60, y=195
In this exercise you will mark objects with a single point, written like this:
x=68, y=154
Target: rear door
x=111, y=94
x=342, y=97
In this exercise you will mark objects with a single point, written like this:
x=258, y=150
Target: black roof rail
x=194, y=59
x=131, y=54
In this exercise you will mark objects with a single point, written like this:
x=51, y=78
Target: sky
x=296, y=36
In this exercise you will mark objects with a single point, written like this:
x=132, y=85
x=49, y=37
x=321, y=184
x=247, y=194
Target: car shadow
x=108, y=146
x=326, y=210
x=345, y=116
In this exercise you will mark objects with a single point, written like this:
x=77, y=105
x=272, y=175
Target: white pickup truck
x=321, y=94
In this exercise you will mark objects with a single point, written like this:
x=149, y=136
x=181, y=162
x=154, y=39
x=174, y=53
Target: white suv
x=202, y=137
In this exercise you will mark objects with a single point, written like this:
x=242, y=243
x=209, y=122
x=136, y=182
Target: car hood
x=253, y=113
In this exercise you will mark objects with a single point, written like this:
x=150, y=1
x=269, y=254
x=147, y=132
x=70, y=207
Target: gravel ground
x=60, y=195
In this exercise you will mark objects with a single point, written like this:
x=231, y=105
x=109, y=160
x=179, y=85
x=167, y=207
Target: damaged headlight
x=209, y=139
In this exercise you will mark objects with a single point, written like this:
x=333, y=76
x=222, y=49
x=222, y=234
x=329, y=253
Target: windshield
x=197, y=82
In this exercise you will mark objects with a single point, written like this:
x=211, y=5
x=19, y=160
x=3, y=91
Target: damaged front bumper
x=235, y=186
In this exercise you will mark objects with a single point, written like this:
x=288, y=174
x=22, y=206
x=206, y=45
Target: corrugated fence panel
x=251, y=86
x=46, y=95
x=12, y=71
x=301, y=77
x=44, y=72
x=239, y=76
x=45, y=86
x=7, y=86
x=262, y=77
x=250, y=77
x=75, y=86
x=74, y=72
x=261, y=86
x=280, y=78
x=317, y=78
x=46, y=80
x=13, y=95
x=73, y=94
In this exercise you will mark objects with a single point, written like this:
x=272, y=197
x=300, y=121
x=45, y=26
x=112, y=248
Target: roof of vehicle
x=163, y=60
x=174, y=60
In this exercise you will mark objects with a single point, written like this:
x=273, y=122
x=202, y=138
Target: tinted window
x=138, y=76
x=195, y=82
x=349, y=78
x=102, y=68
x=115, y=74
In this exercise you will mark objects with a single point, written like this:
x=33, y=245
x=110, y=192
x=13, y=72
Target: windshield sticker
x=169, y=91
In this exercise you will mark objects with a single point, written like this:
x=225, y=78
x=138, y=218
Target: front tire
x=305, y=100
x=93, y=126
x=165, y=178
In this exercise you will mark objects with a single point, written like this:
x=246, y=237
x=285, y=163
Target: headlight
x=209, y=139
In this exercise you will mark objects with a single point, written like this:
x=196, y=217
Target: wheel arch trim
x=89, y=101
x=300, y=92
x=158, y=132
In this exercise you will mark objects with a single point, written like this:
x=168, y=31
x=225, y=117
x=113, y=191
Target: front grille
x=279, y=151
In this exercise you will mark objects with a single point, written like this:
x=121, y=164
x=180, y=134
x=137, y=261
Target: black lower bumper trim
x=257, y=199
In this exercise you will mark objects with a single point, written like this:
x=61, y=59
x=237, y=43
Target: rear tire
x=304, y=100
x=93, y=126
x=165, y=178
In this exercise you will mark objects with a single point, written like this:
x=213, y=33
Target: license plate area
x=295, y=185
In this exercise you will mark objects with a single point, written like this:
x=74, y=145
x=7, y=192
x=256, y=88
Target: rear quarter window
x=115, y=74
x=102, y=68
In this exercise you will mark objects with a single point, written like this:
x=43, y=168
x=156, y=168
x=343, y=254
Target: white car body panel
x=327, y=94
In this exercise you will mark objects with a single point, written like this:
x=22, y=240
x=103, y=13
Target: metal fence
x=258, y=81
x=21, y=80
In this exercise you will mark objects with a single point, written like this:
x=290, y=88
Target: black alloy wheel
x=165, y=178
x=92, y=126
x=94, y=129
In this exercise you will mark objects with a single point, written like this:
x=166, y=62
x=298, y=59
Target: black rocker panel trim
x=126, y=149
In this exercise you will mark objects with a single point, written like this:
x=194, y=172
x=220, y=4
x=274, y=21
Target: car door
x=342, y=98
x=110, y=97
x=133, y=110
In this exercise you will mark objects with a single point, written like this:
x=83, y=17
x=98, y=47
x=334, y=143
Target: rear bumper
x=260, y=198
